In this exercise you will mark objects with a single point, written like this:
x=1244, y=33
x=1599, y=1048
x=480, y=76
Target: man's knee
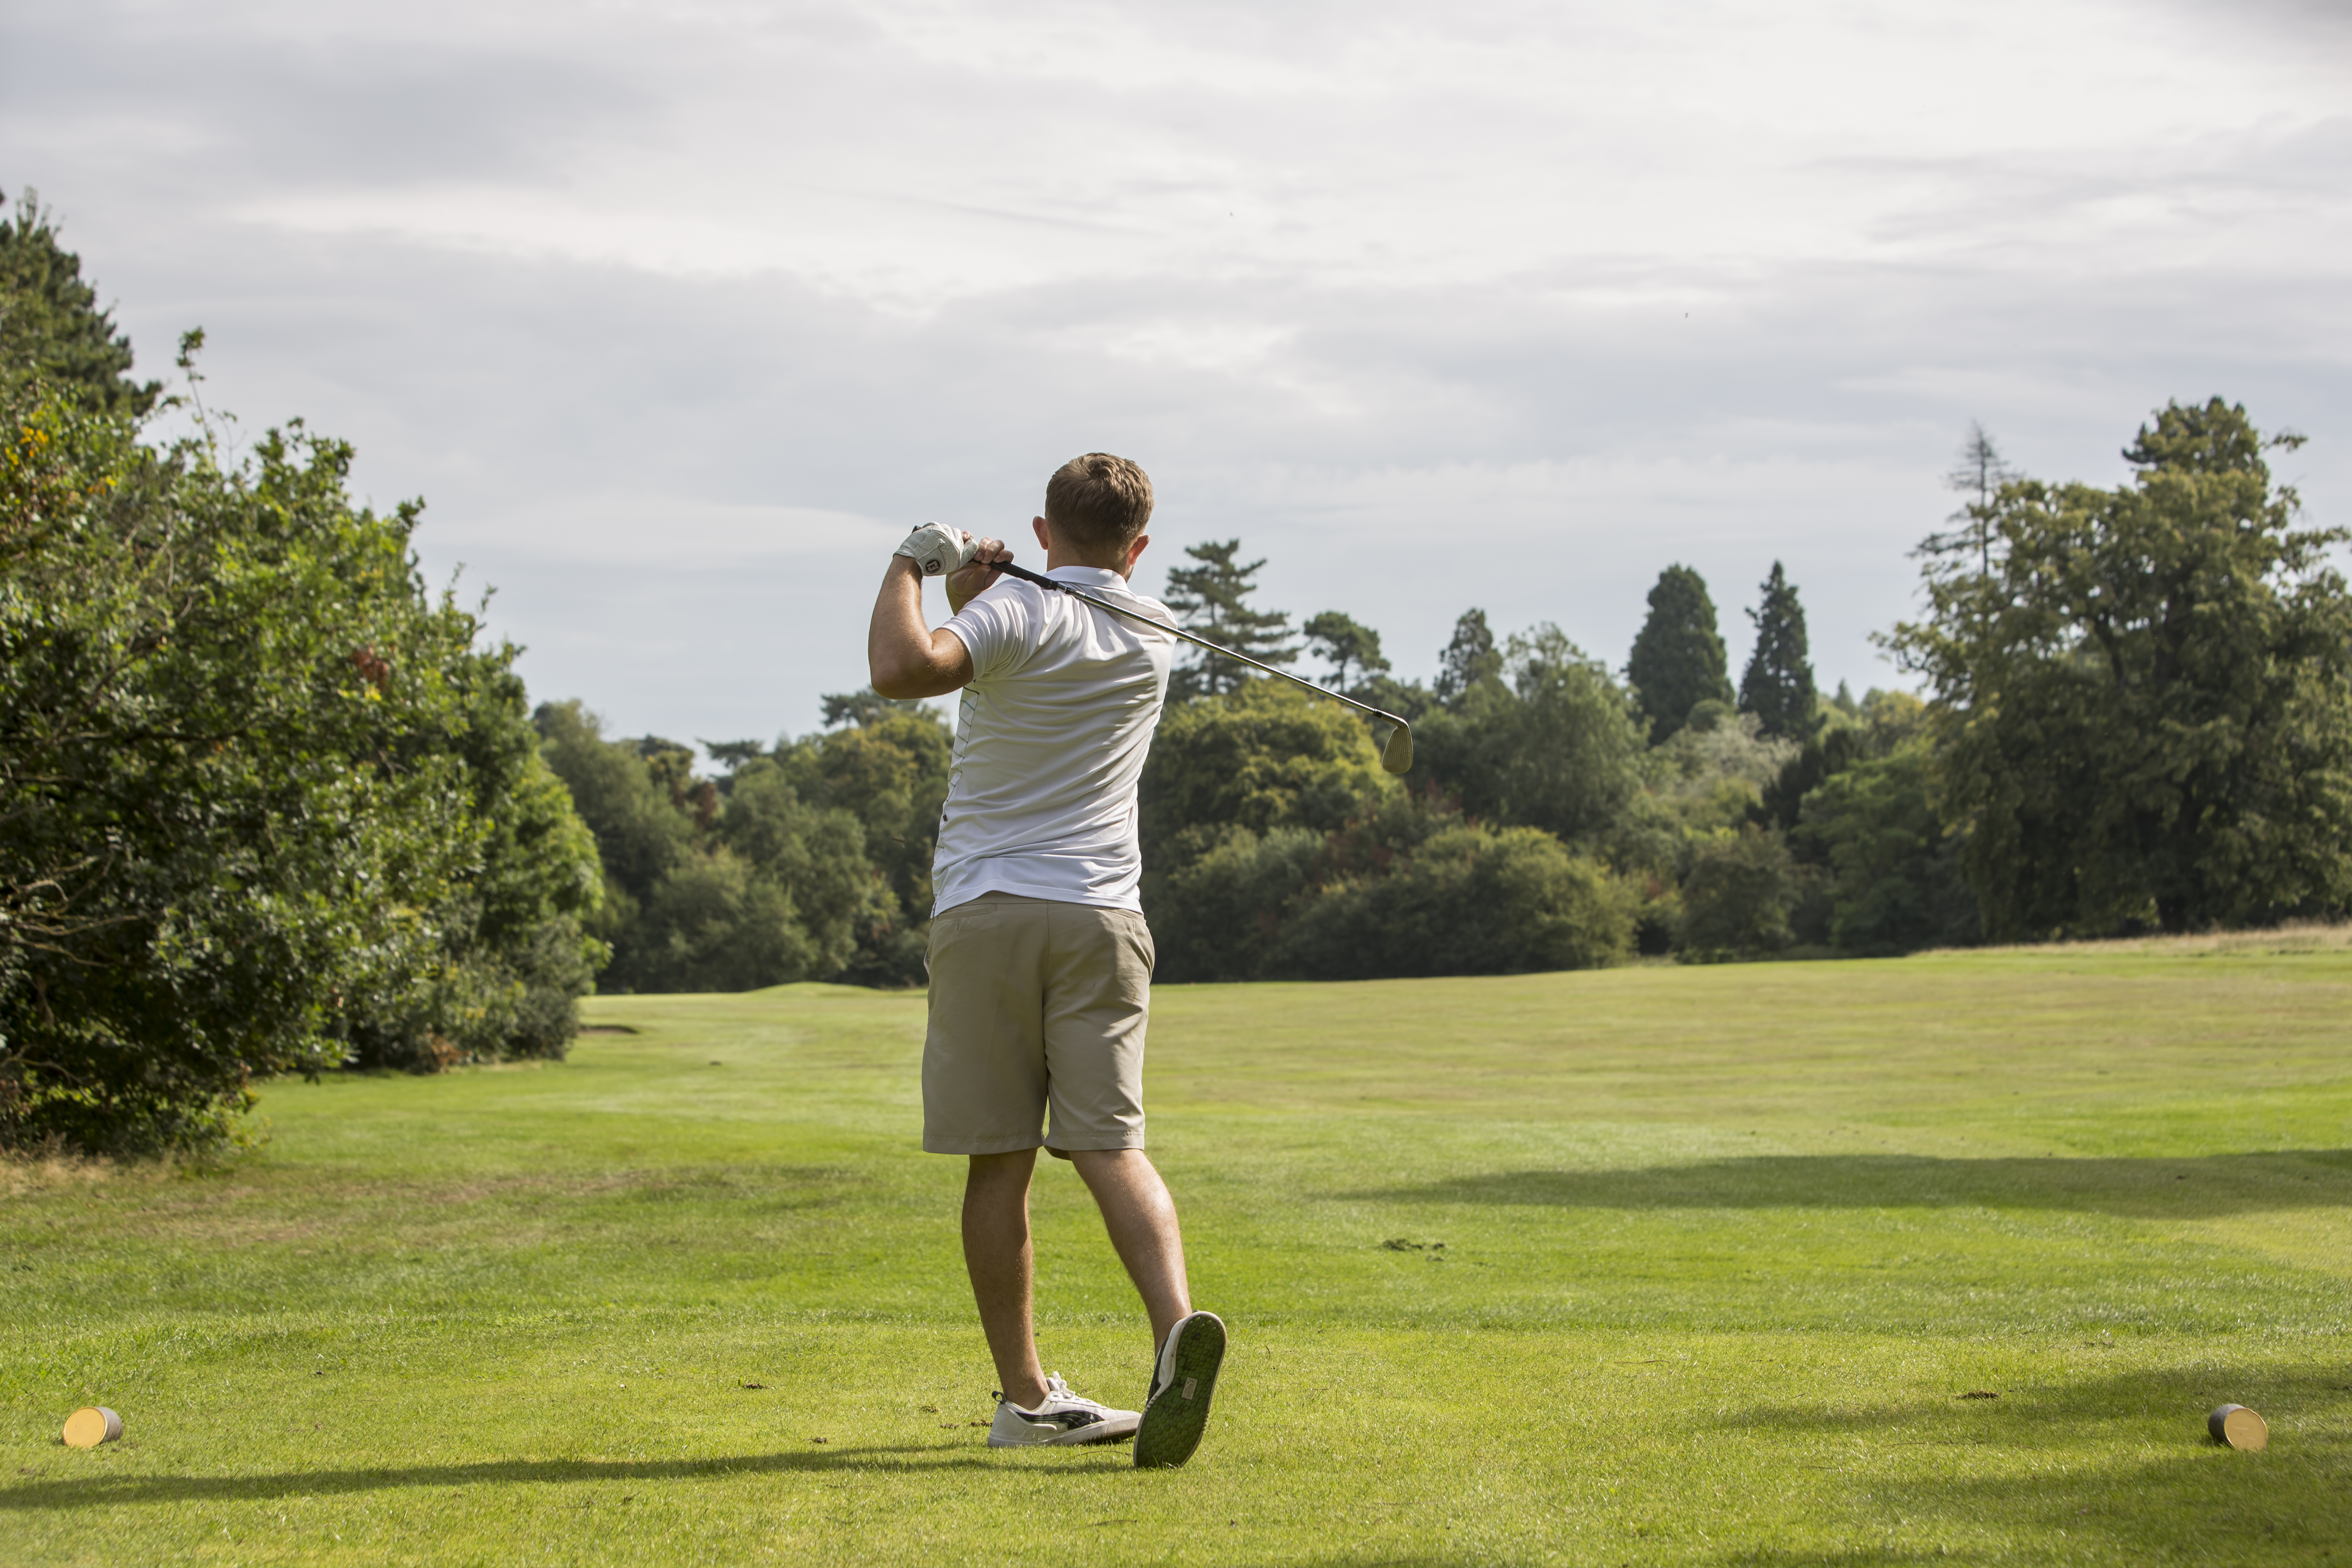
x=994, y=1174
x=1097, y=1165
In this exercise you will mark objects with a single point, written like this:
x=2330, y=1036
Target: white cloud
x=677, y=313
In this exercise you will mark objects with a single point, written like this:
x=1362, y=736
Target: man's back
x=1050, y=742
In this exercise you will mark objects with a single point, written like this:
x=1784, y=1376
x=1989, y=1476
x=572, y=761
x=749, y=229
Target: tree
x=1211, y=599
x=1822, y=756
x=264, y=805
x=1343, y=643
x=51, y=329
x=1738, y=895
x=1678, y=660
x=1894, y=884
x=891, y=772
x=641, y=838
x=1468, y=661
x=712, y=889
x=516, y=957
x=1979, y=473
x=1558, y=747
x=1269, y=755
x=862, y=706
x=1778, y=685
x=2141, y=712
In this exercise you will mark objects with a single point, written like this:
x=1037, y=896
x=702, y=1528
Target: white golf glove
x=939, y=549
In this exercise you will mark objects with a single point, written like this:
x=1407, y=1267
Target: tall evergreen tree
x=50, y=325
x=1977, y=473
x=1213, y=599
x=1468, y=660
x=1678, y=660
x=1778, y=685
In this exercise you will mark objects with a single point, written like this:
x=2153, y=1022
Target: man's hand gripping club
x=904, y=656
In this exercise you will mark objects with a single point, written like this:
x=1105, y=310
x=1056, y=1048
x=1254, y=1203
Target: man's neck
x=1055, y=560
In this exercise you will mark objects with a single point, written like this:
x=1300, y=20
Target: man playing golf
x=1040, y=960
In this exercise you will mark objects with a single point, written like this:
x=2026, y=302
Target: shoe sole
x=1174, y=1420
x=1072, y=1441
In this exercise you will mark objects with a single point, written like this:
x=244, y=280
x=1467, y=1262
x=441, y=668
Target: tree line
x=272, y=805
x=2136, y=718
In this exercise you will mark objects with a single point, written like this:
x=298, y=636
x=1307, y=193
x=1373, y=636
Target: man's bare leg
x=1003, y=1268
x=1141, y=1219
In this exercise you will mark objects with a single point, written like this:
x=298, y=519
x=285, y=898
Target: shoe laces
x=1058, y=1391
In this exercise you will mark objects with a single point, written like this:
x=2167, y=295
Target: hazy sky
x=678, y=316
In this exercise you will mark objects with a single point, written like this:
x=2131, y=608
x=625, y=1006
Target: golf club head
x=1396, y=755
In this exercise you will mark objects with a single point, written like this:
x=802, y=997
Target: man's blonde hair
x=1097, y=504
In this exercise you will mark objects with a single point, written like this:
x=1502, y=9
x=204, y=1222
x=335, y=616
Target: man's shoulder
x=1003, y=606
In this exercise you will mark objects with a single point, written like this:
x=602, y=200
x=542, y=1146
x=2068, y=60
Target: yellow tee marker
x=2239, y=1428
x=91, y=1425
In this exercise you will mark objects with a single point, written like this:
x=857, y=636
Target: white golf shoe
x=1063, y=1420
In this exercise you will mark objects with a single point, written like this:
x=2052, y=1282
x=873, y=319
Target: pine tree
x=1678, y=660
x=1213, y=599
x=1345, y=644
x=1470, y=658
x=50, y=325
x=1778, y=685
x=1979, y=473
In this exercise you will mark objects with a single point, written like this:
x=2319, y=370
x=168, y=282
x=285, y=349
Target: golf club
x=1396, y=753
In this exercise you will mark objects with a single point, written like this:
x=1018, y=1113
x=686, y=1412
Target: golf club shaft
x=1042, y=581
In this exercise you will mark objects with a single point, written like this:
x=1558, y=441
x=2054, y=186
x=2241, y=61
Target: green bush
x=1220, y=916
x=268, y=809
x=1460, y=900
x=1740, y=896
x=1470, y=900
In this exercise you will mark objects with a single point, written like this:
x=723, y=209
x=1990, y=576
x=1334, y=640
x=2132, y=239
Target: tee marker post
x=91, y=1425
x=2235, y=1426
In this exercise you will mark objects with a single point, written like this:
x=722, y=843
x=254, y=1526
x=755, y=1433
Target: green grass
x=1721, y=1250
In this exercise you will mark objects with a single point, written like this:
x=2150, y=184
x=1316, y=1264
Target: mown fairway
x=1722, y=1249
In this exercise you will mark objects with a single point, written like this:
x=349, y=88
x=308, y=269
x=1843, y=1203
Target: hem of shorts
x=1014, y=1145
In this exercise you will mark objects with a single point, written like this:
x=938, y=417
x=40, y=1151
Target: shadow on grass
x=2121, y=1461
x=2111, y=1467
x=2204, y=1188
x=2056, y=1414
x=109, y=1491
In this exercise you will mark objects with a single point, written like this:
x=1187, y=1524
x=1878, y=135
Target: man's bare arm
x=905, y=658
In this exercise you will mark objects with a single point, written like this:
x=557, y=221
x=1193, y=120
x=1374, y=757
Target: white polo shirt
x=1050, y=742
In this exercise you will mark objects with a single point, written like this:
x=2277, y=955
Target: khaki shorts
x=1035, y=1004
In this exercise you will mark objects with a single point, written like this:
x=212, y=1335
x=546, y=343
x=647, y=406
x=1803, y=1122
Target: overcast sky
x=679, y=316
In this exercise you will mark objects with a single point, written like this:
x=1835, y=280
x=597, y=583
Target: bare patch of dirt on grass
x=23, y=1175
x=31, y=1173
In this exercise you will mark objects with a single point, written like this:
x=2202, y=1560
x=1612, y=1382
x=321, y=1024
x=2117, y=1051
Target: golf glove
x=939, y=549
